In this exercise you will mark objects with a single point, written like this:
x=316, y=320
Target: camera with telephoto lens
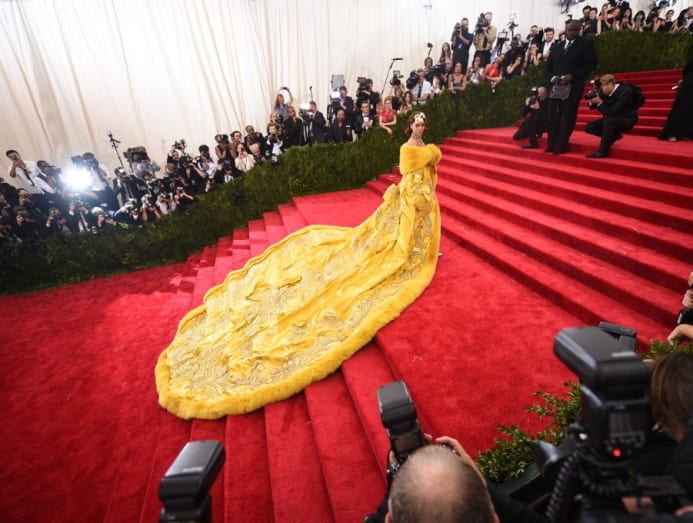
x=595, y=91
x=592, y=469
x=412, y=80
x=134, y=154
x=398, y=414
x=533, y=96
x=396, y=78
x=481, y=24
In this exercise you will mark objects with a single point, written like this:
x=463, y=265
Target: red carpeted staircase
x=531, y=243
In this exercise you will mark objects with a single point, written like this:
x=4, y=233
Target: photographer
x=534, y=118
x=251, y=137
x=222, y=148
x=618, y=105
x=684, y=329
x=127, y=186
x=274, y=142
x=484, y=37
x=422, y=90
x=141, y=163
x=461, y=41
x=345, y=103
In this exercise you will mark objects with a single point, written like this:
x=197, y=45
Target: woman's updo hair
x=671, y=391
x=412, y=118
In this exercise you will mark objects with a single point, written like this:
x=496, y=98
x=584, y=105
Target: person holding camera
x=461, y=41
x=344, y=102
x=484, y=37
x=618, y=105
x=442, y=484
x=318, y=124
x=568, y=65
x=423, y=89
x=281, y=107
x=534, y=119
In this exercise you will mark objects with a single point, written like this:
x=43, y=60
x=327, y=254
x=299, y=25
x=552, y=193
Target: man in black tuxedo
x=568, y=65
x=618, y=104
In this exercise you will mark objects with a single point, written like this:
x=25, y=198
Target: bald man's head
x=435, y=485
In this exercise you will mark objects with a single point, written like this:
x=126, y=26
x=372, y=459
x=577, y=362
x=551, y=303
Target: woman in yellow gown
x=292, y=315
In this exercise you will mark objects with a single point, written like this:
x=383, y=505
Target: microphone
x=395, y=59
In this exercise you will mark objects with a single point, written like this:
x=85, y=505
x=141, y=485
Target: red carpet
x=531, y=243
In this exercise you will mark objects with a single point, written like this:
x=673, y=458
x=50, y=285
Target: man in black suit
x=618, y=104
x=568, y=65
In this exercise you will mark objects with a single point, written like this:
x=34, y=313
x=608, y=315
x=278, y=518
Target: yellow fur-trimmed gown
x=292, y=315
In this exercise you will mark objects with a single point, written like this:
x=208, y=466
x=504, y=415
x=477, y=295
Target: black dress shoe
x=530, y=146
x=598, y=154
x=548, y=150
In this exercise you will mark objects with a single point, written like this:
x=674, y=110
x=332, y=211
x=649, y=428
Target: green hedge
x=301, y=171
x=628, y=52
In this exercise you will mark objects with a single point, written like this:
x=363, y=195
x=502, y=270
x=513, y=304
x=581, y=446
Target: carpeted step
x=274, y=226
x=659, y=267
x=566, y=256
x=246, y=473
x=363, y=374
x=656, y=237
x=643, y=121
x=223, y=263
x=291, y=218
x=378, y=185
x=258, y=237
x=665, y=180
x=291, y=450
x=202, y=429
x=585, y=302
x=473, y=313
x=241, y=238
x=633, y=148
x=657, y=213
x=343, y=449
x=205, y=275
x=341, y=208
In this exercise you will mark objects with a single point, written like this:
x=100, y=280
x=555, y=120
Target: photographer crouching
x=618, y=103
x=534, y=118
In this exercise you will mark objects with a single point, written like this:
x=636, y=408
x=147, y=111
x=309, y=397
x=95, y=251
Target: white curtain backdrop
x=153, y=71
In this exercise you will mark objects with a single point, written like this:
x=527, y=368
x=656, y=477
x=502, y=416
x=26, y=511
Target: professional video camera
x=594, y=92
x=481, y=24
x=138, y=153
x=181, y=145
x=396, y=78
x=362, y=91
x=592, y=470
x=412, y=80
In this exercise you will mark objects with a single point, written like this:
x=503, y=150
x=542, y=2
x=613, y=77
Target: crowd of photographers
x=627, y=457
